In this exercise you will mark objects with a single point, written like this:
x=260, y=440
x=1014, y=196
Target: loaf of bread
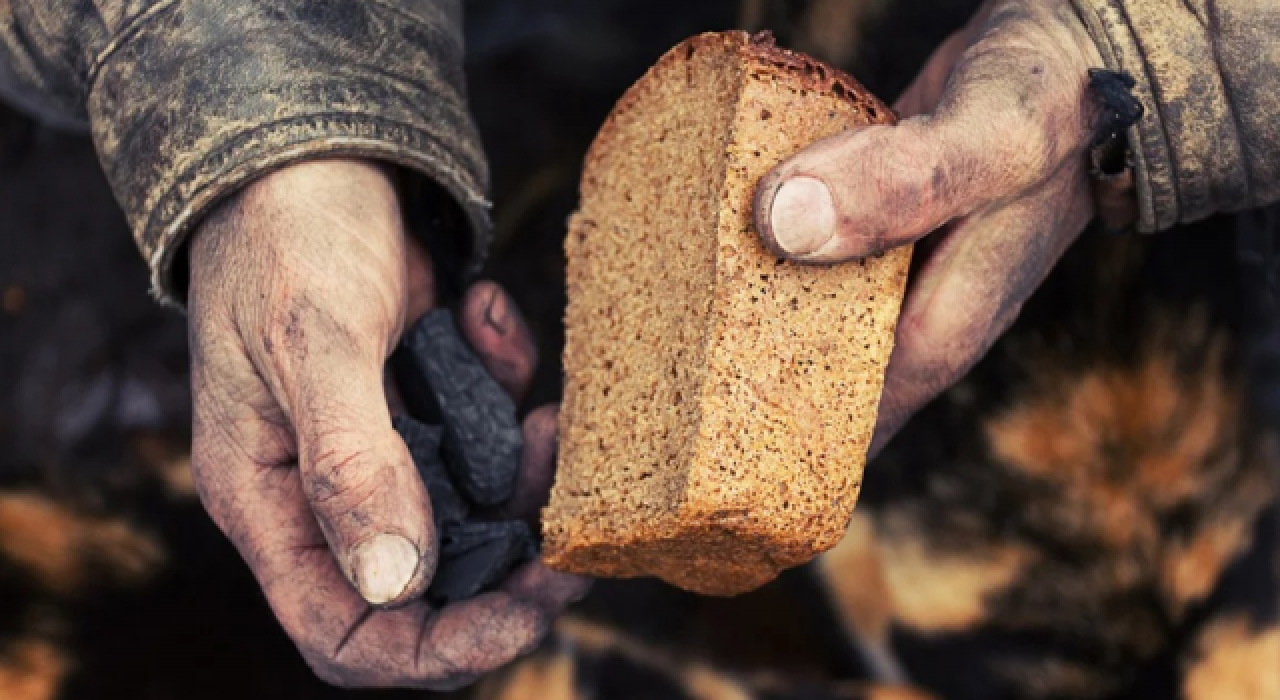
x=719, y=401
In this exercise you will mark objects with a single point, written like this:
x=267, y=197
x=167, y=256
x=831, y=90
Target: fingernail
x=383, y=566
x=803, y=217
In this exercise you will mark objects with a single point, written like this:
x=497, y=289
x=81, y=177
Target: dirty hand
x=299, y=292
x=992, y=162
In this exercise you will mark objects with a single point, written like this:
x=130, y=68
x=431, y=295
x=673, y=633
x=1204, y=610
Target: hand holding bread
x=988, y=168
x=719, y=399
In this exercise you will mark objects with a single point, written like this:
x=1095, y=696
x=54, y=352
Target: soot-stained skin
x=482, y=439
x=474, y=555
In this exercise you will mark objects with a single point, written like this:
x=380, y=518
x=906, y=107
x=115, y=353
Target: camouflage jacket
x=188, y=101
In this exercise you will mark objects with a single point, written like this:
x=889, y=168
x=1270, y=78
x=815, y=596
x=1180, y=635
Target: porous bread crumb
x=719, y=401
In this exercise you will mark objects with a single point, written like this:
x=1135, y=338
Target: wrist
x=324, y=233
x=307, y=204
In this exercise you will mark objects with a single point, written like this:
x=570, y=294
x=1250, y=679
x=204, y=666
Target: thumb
x=866, y=191
x=307, y=267
x=1006, y=122
x=356, y=470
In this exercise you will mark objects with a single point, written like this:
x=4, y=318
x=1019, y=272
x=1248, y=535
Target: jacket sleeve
x=187, y=100
x=1208, y=75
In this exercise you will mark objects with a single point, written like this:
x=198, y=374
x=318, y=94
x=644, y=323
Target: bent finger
x=553, y=591
x=1011, y=114
x=497, y=331
x=537, y=466
x=969, y=292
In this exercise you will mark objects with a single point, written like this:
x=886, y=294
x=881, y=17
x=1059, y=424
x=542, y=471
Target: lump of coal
x=482, y=440
x=476, y=555
x=473, y=555
x=472, y=461
x=424, y=446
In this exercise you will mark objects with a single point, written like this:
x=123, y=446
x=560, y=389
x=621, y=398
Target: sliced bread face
x=719, y=401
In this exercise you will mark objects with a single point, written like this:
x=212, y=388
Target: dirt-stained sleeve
x=1208, y=74
x=188, y=100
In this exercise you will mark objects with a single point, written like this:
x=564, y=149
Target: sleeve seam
x=1111, y=52
x=232, y=166
x=1154, y=89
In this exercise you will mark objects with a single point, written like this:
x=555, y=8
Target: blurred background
x=113, y=583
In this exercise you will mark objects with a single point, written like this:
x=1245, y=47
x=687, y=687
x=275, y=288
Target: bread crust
x=741, y=500
x=763, y=48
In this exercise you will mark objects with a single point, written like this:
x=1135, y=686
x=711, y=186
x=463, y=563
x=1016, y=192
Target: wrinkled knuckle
x=325, y=663
x=504, y=633
x=340, y=474
x=1020, y=148
x=907, y=157
x=909, y=178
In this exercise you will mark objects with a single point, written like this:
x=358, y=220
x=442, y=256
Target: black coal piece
x=477, y=555
x=482, y=439
x=447, y=507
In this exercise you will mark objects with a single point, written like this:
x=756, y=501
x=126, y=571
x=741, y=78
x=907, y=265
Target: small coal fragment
x=447, y=507
x=423, y=440
x=467, y=536
x=482, y=440
x=415, y=393
x=476, y=555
